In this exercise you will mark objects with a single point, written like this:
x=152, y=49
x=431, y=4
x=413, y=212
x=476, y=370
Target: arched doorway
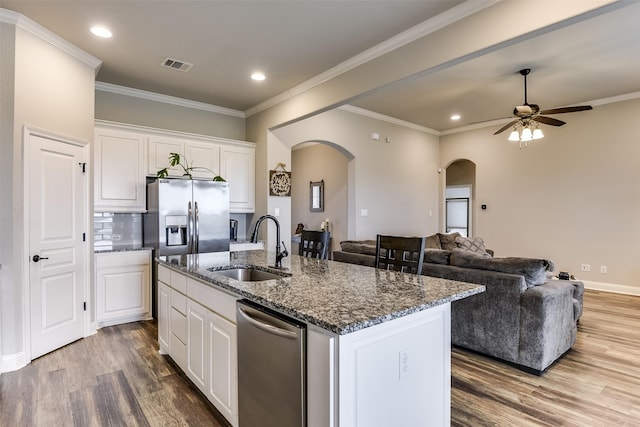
x=314, y=161
x=459, y=195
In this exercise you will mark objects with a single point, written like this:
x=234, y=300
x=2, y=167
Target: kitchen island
x=377, y=347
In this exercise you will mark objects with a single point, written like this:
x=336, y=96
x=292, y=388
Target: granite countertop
x=120, y=248
x=338, y=297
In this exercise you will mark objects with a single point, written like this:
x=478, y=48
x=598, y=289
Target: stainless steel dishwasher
x=271, y=368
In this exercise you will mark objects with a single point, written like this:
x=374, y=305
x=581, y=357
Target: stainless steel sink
x=251, y=274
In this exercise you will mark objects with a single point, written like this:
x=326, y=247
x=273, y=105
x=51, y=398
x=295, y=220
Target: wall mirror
x=316, y=196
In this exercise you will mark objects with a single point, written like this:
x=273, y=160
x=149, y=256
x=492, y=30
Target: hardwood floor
x=597, y=383
x=113, y=378
x=117, y=378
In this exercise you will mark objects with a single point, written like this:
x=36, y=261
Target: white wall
x=47, y=89
x=572, y=197
x=396, y=182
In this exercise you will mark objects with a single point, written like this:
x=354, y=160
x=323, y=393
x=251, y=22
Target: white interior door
x=57, y=199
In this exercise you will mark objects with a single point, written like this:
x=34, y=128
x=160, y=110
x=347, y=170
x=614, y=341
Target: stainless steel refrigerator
x=186, y=216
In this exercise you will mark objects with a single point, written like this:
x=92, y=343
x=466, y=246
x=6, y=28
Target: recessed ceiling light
x=101, y=31
x=455, y=117
x=258, y=76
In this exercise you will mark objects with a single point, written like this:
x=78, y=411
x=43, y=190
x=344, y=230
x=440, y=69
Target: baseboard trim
x=612, y=287
x=13, y=362
x=121, y=320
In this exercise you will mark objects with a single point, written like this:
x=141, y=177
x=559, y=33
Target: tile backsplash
x=116, y=229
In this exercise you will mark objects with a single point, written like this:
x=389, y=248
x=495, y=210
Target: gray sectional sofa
x=525, y=317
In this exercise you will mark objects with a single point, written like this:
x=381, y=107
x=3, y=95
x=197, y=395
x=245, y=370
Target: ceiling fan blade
x=507, y=126
x=489, y=120
x=567, y=109
x=548, y=120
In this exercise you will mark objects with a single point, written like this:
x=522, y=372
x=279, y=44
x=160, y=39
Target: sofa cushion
x=433, y=242
x=437, y=256
x=366, y=247
x=533, y=270
x=448, y=241
x=472, y=244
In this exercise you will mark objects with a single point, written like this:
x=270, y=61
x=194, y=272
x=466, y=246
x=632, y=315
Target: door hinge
x=84, y=306
x=84, y=237
x=83, y=166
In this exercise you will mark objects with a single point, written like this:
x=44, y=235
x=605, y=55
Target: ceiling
x=297, y=40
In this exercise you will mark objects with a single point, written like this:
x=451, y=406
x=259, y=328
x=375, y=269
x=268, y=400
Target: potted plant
x=176, y=160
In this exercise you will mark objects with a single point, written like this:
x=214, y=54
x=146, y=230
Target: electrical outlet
x=403, y=363
x=603, y=269
x=586, y=267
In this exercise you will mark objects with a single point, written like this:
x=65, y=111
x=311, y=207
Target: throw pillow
x=433, y=242
x=448, y=241
x=436, y=256
x=473, y=244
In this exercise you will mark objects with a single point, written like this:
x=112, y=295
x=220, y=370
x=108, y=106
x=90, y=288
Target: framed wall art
x=279, y=181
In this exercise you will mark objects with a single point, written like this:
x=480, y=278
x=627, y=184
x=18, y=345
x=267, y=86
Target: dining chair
x=404, y=254
x=314, y=244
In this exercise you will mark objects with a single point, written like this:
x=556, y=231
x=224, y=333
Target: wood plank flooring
x=117, y=378
x=597, y=383
x=113, y=378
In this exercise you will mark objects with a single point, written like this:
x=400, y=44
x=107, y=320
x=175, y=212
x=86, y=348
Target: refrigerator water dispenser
x=176, y=229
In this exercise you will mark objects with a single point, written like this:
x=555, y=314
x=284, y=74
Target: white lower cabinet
x=196, y=344
x=198, y=321
x=123, y=287
x=164, y=310
x=222, y=369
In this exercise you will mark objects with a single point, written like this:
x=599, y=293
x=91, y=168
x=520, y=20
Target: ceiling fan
x=527, y=113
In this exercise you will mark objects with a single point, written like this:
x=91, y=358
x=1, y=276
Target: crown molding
x=388, y=119
x=412, y=34
x=21, y=21
x=167, y=99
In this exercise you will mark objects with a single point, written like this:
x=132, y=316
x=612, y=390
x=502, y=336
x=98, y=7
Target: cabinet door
x=164, y=307
x=159, y=151
x=203, y=155
x=223, y=372
x=119, y=177
x=197, y=345
x=122, y=293
x=237, y=166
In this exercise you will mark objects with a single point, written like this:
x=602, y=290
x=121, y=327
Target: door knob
x=37, y=258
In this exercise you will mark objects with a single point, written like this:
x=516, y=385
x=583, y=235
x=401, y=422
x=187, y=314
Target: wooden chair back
x=404, y=254
x=314, y=244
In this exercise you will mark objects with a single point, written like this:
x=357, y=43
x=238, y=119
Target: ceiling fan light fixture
x=527, y=135
x=537, y=133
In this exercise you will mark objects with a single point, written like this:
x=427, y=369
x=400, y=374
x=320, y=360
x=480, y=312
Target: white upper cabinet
x=126, y=154
x=237, y=166
x=160, y=149
x=203, y=155
x=119, y=176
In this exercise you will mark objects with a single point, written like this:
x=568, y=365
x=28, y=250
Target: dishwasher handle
x=267, y=327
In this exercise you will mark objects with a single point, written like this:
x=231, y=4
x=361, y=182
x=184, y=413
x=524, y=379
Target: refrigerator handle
x=196, y=234
x=189, y=229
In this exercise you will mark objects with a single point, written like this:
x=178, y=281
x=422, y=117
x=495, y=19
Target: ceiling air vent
x=176, y=64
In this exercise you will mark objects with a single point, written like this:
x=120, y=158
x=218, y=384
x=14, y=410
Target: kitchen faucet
x=254, y=238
